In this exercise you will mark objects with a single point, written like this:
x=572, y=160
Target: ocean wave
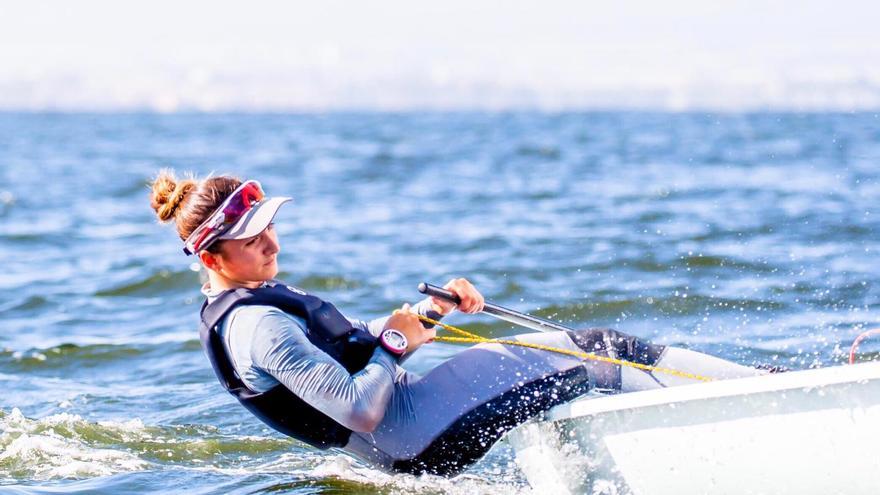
x=65, y=445
x=328, y=282
x=78, y=355
x=156, y=283
x=694, y=263
x=49, y=449
x=26, y=303
x=547, y=152
x=341, y=467
x=678, y=303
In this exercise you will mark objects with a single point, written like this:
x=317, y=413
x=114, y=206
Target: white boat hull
x=805, y=432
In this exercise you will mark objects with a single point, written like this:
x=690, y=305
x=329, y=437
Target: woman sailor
x=309, y=372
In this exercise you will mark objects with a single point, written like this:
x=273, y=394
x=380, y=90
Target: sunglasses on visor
x=233, y=208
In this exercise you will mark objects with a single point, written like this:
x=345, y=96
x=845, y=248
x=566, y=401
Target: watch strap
x=391, y=350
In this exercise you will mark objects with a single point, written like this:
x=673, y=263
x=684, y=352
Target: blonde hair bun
x=167, y=194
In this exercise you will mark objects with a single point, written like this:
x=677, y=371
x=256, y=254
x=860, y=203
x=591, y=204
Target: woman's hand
x=411, y=327
x=471, y=299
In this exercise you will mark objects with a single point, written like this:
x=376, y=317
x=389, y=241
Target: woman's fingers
x=480, y=304
x=461, y=287
x=471, y=299
x=442, y=306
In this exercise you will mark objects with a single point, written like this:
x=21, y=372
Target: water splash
x=49, y=449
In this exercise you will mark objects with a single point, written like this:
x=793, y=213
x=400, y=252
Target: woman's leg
x=675, y=358
x=446, y=420
x=625, y=347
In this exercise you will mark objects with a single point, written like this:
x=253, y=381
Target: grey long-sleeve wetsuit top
x=269, y=347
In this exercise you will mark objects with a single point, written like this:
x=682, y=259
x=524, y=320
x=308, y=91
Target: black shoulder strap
x=323, y=320
x=220, y=362
x=284, y=297
x=213, y=313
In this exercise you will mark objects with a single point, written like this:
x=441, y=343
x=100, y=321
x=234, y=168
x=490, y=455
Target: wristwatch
x=393, y=341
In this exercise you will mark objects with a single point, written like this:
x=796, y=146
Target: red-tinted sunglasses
x=233, y=208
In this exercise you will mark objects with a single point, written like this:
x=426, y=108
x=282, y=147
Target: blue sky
x=400, y=55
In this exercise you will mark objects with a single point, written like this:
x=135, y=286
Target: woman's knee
x=616, y=344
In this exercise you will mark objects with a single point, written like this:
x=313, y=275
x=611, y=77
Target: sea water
x=749, y=236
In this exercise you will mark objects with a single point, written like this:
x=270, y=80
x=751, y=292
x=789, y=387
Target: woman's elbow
x=365, y=421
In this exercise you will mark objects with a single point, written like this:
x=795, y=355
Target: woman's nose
x=272, y=245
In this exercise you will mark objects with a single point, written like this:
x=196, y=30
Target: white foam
x=65, y=445
x=50, y=456
x=36, y=449
x=344, y=467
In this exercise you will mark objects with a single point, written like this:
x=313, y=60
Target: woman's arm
x=434, y=308
x=357, y=401
x=375, y=326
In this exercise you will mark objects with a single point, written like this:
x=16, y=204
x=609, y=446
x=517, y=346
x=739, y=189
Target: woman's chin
x=271, y=270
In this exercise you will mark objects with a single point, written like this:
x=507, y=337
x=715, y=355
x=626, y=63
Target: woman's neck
x=219, y=282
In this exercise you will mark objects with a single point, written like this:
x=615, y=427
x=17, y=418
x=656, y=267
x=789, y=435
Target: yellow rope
x=472, y=338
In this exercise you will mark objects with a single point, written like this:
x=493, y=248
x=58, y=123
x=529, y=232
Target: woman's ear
x=210, y=260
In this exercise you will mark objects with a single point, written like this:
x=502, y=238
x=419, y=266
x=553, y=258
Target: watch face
x=394, y=339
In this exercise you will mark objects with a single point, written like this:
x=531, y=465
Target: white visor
x=256, y=219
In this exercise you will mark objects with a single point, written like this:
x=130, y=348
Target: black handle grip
x=433, y=290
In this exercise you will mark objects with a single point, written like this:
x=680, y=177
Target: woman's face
x=248, y=261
